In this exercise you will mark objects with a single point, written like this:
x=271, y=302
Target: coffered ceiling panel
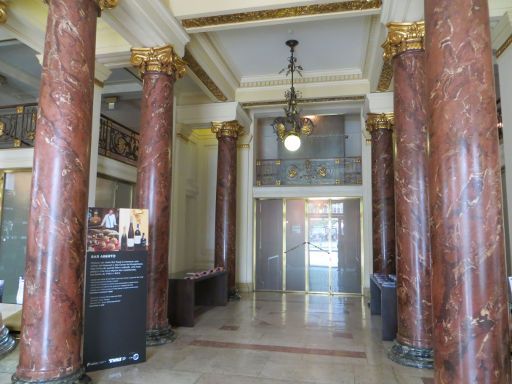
x=327, y=46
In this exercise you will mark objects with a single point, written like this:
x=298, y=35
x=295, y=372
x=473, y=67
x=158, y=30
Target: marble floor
x=269, y=338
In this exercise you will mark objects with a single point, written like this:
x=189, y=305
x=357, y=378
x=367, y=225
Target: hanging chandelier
x=290, y=127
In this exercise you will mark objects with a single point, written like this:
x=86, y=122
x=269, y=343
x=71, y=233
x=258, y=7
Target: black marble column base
x=7, y=343
x=78, y=377
x=234, y=295
x=411, y=356
x=160, y=336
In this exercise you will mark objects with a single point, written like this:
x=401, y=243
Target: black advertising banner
x=115, y=288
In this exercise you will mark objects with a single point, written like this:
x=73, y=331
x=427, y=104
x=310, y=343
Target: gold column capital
x=403, y=37
x=158, y=59
x=107, y=4
x=227, y=129
x=376, y=121
x=102, y=4
x=3, y=12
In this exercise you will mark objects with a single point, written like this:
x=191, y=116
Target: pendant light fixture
x=290, y=127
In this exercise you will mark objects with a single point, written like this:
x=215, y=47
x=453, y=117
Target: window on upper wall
x=331, y=155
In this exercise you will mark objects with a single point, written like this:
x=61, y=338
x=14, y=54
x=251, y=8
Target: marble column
x=469, y=294
x=7, y=343
x=404, y=46
x=159, y=67
x=380, y=127
x=51, y=337
x=225, y=207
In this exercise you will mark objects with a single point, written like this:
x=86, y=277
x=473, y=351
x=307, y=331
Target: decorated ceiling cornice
x=203, y=76
x=303, y=101
x=282, y=13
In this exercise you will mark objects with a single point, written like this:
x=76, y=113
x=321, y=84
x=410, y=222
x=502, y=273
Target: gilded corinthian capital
x=158, y=59
x=107, y=4
x=404, y=37
x=227, y=128
x=3, y=12
x=377, y=121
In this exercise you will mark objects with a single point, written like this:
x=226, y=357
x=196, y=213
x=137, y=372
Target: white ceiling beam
x=25, y=25
x=202, y=115
x=147, y=24
x=121, y=88
x=9, y=70
x=211, y=61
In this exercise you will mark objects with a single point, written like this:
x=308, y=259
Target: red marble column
x=380, y=127
x=225, y=207
x=159, y=68
x=413, y=345
x=470, y=306
x=51, y=338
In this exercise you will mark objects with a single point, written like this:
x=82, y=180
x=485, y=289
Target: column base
x=411, y=356
x=76, y=378
x=7, y=343
x=234, y=295
x=160, y=336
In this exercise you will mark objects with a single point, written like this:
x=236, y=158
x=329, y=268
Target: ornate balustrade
x=118, y=142
x=341, y=171
x=18, y=128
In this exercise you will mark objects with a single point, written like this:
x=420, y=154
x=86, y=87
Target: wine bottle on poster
x=131, y=236
x=124, y=240
x=137, y=236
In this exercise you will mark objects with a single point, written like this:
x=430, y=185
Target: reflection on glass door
x=321, y=248
x=13, y=230
x=269, y=244
x=346, y=246
x=319, y=245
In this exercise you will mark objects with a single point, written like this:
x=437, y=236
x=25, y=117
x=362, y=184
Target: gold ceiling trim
x=243, y=146
x=3, y=12
x=303, y=101
x=504, y=46
x=386, y=75
x=282, y=13
x=203, y=76
x=375, y=121
x=158, y=59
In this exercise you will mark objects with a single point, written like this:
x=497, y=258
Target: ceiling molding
x=502, y=34
x=202, y=24
x=203, y=77
x=258, y=104
x=212, y=63
x=308, y=91
x=147, y=24
x=307, y=77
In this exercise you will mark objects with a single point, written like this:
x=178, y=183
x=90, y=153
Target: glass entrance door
x=310, y=245
x=319, y=246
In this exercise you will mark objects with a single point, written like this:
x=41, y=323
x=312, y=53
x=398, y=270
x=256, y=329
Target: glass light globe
x=292, y=142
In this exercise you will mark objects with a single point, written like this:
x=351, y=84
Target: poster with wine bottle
x=115, y=288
